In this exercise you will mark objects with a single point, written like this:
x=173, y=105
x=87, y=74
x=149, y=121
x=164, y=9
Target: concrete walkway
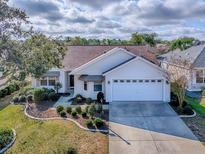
x=149, y=128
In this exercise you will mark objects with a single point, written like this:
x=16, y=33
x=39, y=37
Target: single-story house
x=122, y=73
x=193, y=68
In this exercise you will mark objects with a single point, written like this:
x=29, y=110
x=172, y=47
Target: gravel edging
x=188, y=116
x=59, y=118
x=10, y=144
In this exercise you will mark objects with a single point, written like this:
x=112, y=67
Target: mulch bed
x=45, y=111
x=197, y=125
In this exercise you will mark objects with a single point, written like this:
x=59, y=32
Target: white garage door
x=137, y=90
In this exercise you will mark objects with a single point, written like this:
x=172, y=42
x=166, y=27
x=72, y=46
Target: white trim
x=138, y=57
x=100, y=57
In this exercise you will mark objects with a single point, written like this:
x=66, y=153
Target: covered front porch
x=86, y=85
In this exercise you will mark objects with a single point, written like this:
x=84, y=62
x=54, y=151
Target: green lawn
x=51, y=137
x=197, y=104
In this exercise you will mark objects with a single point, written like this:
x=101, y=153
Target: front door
x=72, y=81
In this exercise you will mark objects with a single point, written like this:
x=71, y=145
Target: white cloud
x=116, y=19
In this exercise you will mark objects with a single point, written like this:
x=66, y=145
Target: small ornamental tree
x=179, y=80
x=57, y=86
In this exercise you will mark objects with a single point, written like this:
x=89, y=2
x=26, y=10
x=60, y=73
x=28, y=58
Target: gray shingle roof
x=195, y=55
x=200, y=61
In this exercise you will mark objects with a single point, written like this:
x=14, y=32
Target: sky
x=117, y=19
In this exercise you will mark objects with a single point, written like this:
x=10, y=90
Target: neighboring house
x=194, y=71
x=122, y=73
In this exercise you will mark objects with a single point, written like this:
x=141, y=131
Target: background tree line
x=27, y=53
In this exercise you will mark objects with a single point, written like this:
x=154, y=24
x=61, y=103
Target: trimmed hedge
x=69, y=109
x=62, y=113
x=6, y=136
x=78, y=109
x=44, y=94
x=59, y=108
x=98, y=122
x=89, y=123
x=12, y=87
x=74, y=113
x=84, y=114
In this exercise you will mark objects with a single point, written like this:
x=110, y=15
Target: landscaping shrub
x=78, y=99
x=88, y=100
x=69, y=109
x=98, y=122
x=45, y=96
x=62, y=113
x=78, y=109
x=29, y=98
x=59, y=108
x=89, y=123
x=71, y=150
x=53, y=96
x=92, y=110
x=1, y=94
x=84, y=114
x=74, y=113
x=99, y=108
x=188, y=110
x=15, y=100
x=46, y=90
x=22, y=99
x=5, y=92
x=87, y=109
x=38, y=95
x=8, y=90
x=12, y=88
x=100, y=97
x=6, y=136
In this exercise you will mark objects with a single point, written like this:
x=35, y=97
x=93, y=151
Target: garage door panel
x=137, y=91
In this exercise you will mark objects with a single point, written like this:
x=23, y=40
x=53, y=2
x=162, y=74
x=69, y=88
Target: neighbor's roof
x=195, y=55
x=79, y=55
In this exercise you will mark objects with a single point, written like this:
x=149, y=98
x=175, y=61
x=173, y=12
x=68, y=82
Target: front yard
x=49, y=136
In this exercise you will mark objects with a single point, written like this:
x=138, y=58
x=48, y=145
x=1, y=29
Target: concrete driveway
x=149, y=128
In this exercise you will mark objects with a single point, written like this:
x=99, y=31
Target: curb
x=59, y=118
x=10, y=144
x=188, y=116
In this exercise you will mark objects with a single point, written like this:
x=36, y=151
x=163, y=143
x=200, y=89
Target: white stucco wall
x=136, y=69
x=79, y=88
x=62, y=80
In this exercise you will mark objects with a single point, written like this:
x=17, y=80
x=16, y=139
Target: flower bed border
x=188, y=116
x=60, y=118
x=11, y=143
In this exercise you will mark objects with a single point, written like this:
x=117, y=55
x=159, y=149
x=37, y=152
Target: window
x=141, y=81
x=52, y=81
x=152, y=80
x=159, y=80
x=97, y=86
x=115, y=81
x=85, y=85
x=128, y=81
x=134, y=80
x=199, y=76
x=43, y=81
x=146, y=80
x=122, y=81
